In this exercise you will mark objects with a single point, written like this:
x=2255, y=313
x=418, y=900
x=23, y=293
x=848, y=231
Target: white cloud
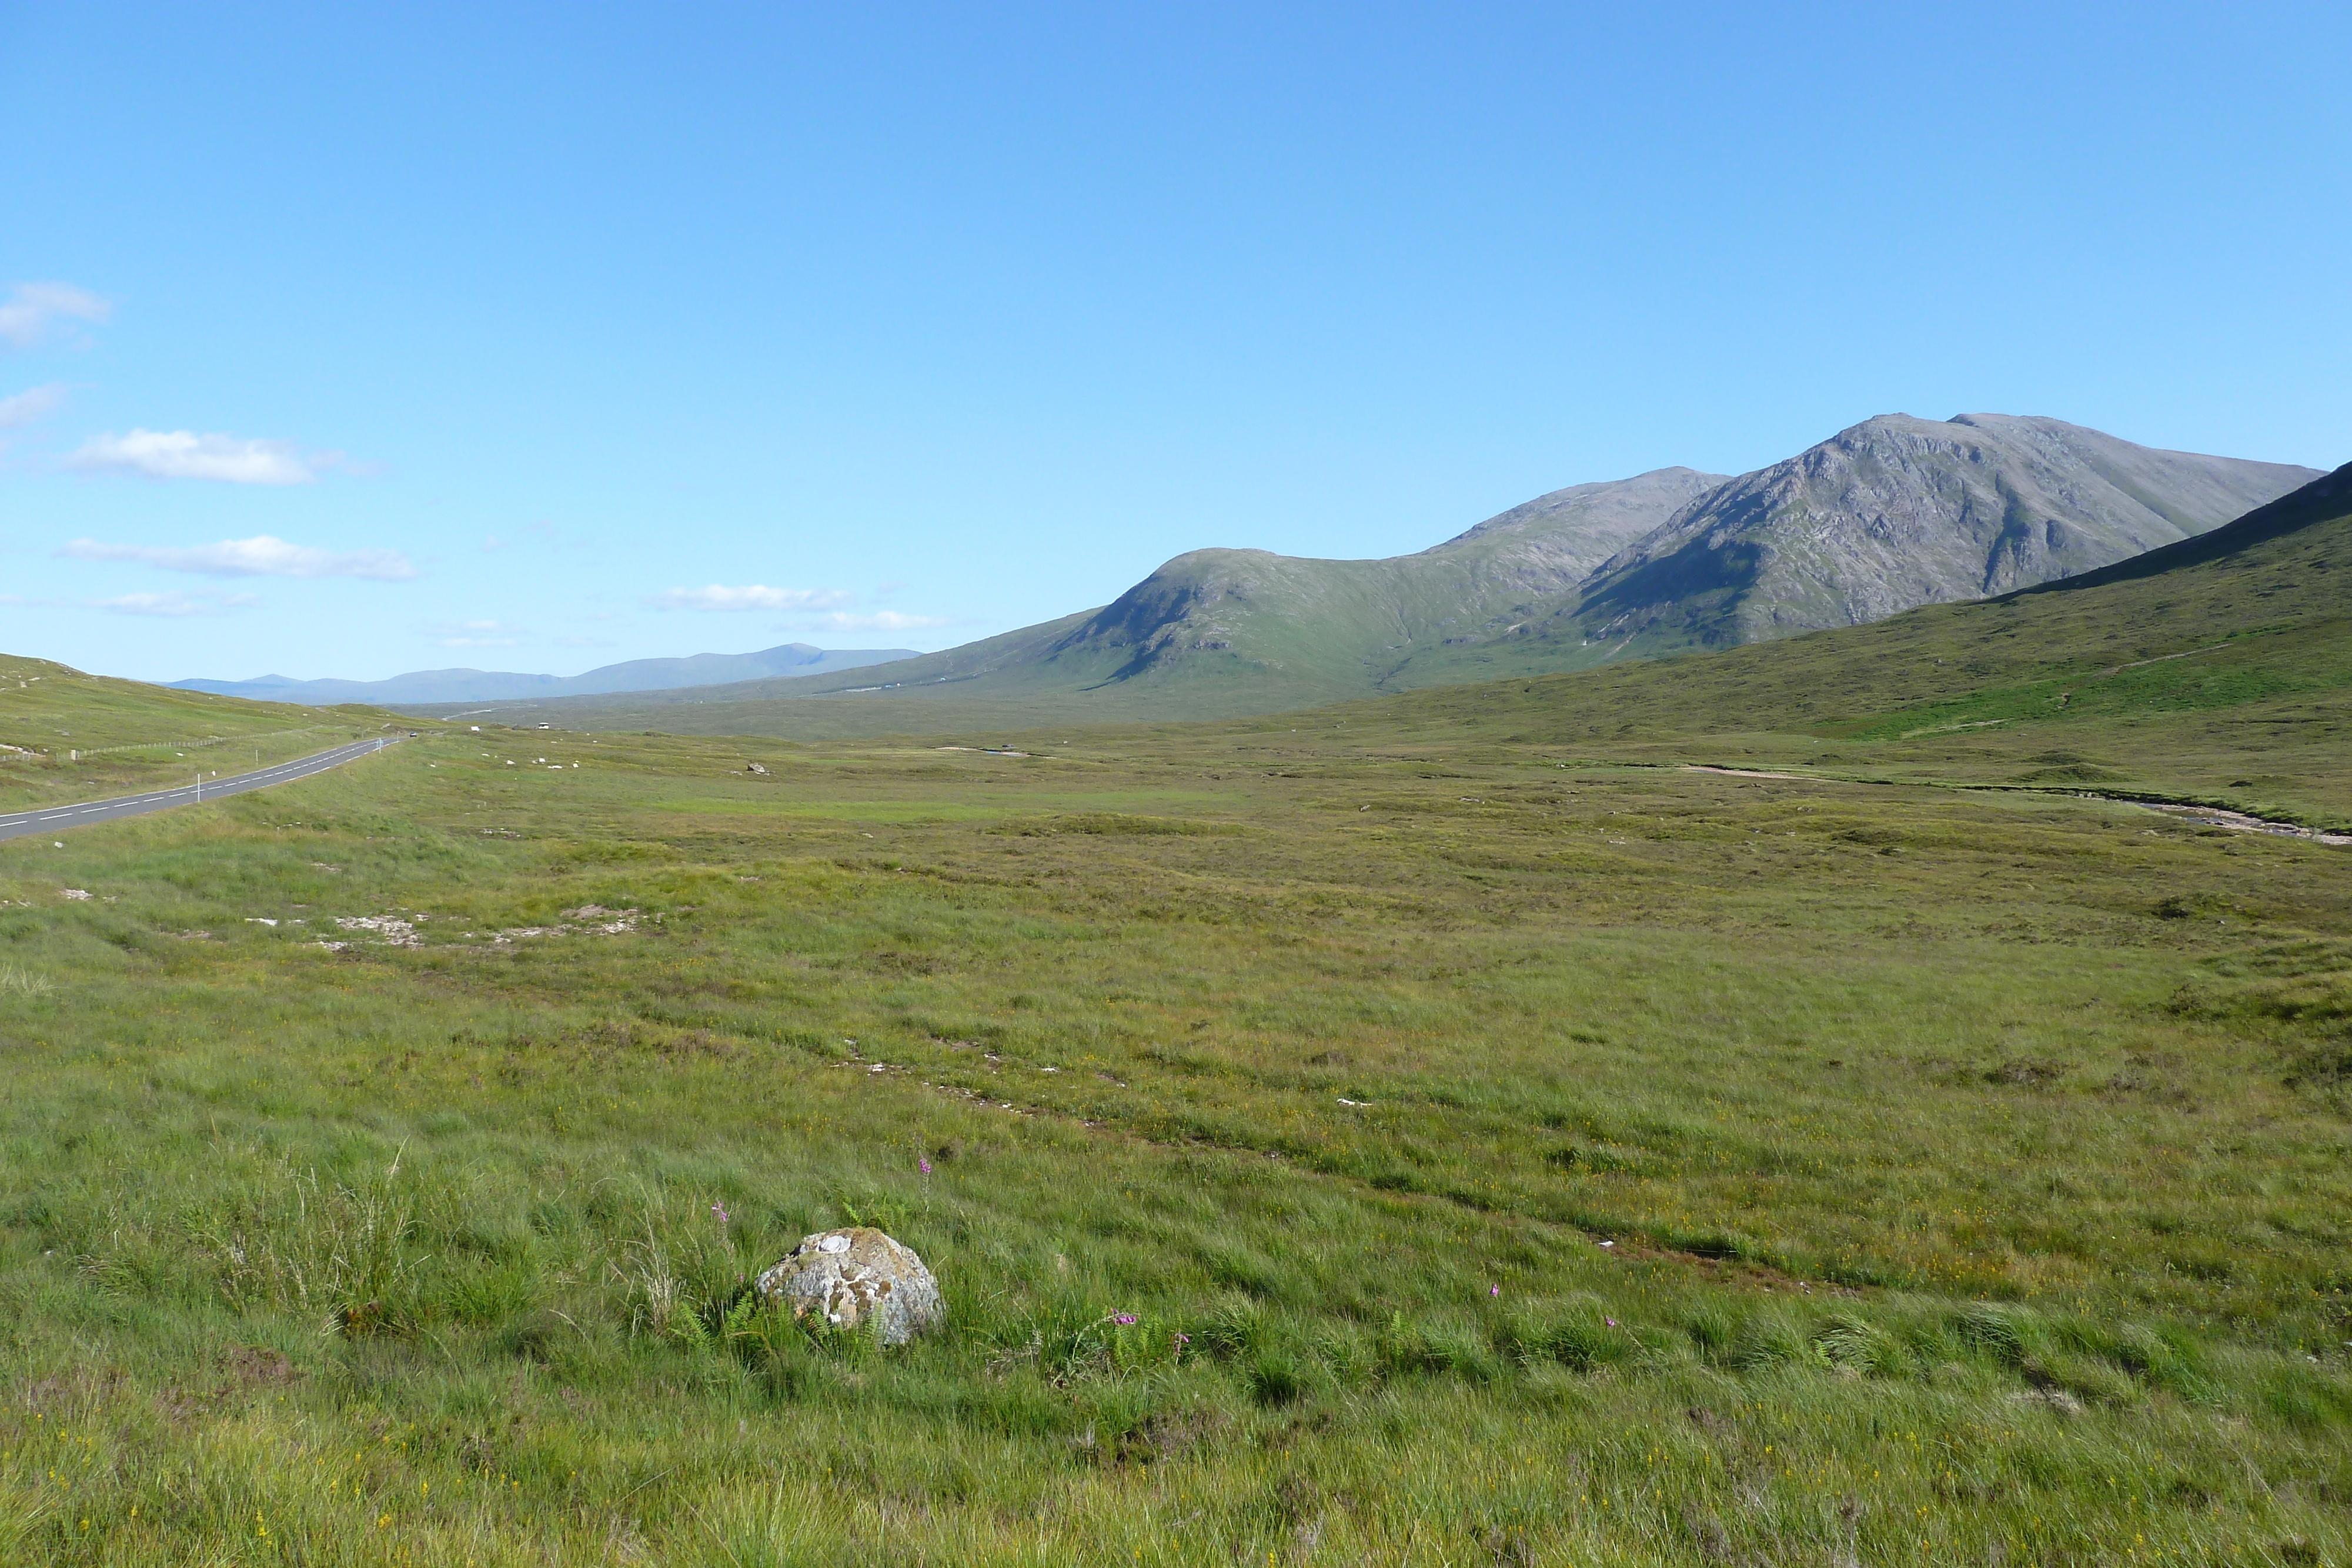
x=184, y=454
x=260, y=556
x=30, y=405
x=754, y=597
x=477, y=634
x=175, y=603
x=32, y=308
x=880, y=620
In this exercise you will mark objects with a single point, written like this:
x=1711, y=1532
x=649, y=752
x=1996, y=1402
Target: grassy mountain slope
x=1385, y=624
x=68, y=736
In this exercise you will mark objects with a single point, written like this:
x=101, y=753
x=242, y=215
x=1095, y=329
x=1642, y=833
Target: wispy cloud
x=880, y=620
x=754, y=597
x=30, y=405
x=184, y=454
x=175, y=603
x=33, y=308
x=477, y=634
x=260, y=556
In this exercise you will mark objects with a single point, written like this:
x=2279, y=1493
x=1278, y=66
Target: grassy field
x=1454, y=1130
x=1508, y=1147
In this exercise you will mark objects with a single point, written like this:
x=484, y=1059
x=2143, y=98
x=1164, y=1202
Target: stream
x=2210, y=816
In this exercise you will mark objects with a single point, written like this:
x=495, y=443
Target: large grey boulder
x=855, y=1276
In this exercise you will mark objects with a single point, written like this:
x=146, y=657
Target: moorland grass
x=1971, y=1167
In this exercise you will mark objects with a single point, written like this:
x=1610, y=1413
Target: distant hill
x=1893, y=513
x=428, y=687
x=1345, y=625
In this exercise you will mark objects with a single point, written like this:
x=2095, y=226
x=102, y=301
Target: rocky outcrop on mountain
x=1563, y=536
x=1897, y=512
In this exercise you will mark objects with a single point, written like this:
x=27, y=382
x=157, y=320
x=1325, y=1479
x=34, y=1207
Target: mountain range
x=1893, y=513
x=432, y=687
x=1898, y=512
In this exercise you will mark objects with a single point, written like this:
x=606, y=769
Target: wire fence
x=78, y=754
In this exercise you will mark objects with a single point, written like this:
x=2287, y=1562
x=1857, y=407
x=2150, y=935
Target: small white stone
x=833, y=1244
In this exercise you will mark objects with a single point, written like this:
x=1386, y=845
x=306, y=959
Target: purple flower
x=922, y=1164
x=720, y=1210
x=1122, y=1318
x=1184, y=1339
x=1610, y=1321
x=1494, y=1290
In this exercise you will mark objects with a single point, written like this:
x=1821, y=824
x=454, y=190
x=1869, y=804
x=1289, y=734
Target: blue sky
x=342, y=341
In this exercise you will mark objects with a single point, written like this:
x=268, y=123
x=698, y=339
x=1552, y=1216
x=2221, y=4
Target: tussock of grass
x=23, y=983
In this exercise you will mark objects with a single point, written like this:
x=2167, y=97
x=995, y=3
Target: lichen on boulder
x=855, y=1277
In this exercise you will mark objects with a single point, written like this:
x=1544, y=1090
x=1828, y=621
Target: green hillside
x=68, y=736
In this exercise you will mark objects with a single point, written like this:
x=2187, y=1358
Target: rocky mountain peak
x=1899, y=511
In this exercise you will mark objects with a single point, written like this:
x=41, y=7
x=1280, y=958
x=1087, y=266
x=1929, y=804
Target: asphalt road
x=56, y=819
